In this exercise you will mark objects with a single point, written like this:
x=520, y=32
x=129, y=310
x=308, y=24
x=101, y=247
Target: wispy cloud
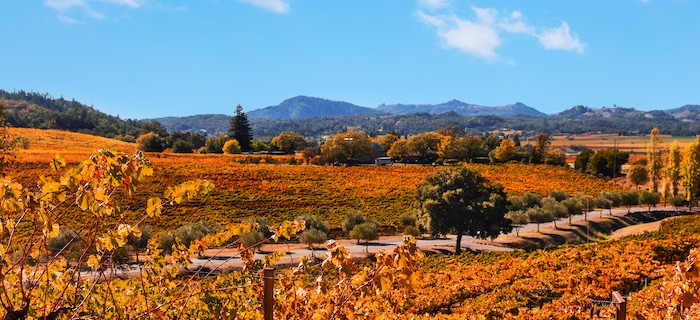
x=434, y=4
x=276, y=6
x=480, y=35
x=68, y=9
x=561, y=39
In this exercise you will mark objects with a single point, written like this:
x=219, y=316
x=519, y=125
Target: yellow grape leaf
x=57, y=162
x=34, y=253
x=93, y=262
x=146, y=171
x=54, y=231
x=83, y=200
x=154, y=207
x=289, y=228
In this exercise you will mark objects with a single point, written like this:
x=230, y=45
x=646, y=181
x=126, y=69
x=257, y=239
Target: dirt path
x=638, y=229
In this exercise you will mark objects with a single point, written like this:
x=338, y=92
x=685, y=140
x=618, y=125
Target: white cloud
x=434, y=4
x=481, y=35
x=128, y=3
x=67, y=20
x=513, y=23
x=478, y=38
x=64, y=7
x=276, y=6
x=561, y=39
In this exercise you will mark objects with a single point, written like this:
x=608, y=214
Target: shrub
x=558, y=195
x=232, y=146
x=182, y=146
x=185, y=234
x=150, y=142
x=252, y=239
x=676, y=201
x=412, y=231
x=216, y=144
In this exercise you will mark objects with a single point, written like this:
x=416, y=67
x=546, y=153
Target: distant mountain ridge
x=462, y=108
x=300, y=107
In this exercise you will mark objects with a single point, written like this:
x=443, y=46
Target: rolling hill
x=43, y=111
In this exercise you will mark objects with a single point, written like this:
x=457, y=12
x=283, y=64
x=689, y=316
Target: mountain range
x=331, y=116
x=41, y=110
x=462, y=108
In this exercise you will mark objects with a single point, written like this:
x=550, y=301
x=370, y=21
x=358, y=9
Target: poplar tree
x=653, y=160
x=690, y=170
x=240, y=129
x=673, y=168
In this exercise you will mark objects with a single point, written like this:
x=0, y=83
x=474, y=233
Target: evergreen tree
x=240, y=129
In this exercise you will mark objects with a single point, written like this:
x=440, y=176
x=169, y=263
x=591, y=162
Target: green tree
x=582, y=159
x=539, y=216
x=573, y=207
x=526, y=201
x=541, y=147
x=315, y=231
x=673, y=169
x=690, y=171
x=555, y=209
x=654, y=159
x=182, y=146
x=240, y=129
x=607, y=163
x=518, y=218
x=637, y=174
x=603, y=202
x=451, y=130
x=461, y=201
x=629, y=199
x=8, y=143
x=366, y=231
x=649, y=198
x=558, y=195
x=153, y=126
x=288, y=142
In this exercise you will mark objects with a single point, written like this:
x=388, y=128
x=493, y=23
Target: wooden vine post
x=268, y=294
x=620, y=306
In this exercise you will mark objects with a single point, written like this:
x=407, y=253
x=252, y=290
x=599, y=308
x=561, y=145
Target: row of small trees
x=530, y=208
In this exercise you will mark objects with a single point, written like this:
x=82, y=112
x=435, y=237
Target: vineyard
x=109, y=197
x=282, y=192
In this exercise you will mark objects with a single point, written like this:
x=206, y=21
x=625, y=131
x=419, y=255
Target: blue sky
x=152, y=58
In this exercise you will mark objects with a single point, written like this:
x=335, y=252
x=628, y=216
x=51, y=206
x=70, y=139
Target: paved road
x=217, y=259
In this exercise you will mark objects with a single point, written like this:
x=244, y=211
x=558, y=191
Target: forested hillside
x=36, y=110
x=640, y=123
